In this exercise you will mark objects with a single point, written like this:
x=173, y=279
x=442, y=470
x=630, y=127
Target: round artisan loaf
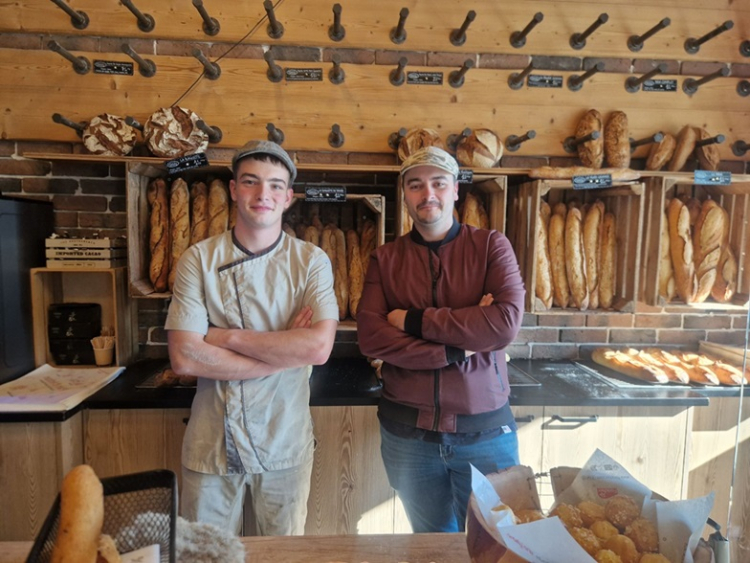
x=172, y=132
x=685, y=147
x=661, y=152
x=708, y=155
x=416, y=139
x=109, y=135
x=617, y=140
x=591, y=152
x=482, y=149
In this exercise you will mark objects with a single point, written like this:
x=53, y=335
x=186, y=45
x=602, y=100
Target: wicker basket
x=140, y=509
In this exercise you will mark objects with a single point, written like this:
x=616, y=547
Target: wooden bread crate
x=624, y=200
x=734, y=198
x=491, y=190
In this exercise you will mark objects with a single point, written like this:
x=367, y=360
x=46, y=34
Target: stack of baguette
x=349, y=253
x=695, y=259
x=179, y=218
x=473, y=212
x=576, y=256
x=660, y=366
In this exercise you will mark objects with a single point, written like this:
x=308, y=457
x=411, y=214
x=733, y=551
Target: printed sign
x=186, y=163
x=303, y=74
x=430, y=78
x=465, y=176
x=323, y=194
x=660, y=85
x=113, y=67
x=712, y=178
x=592, y=181
x=545, y=81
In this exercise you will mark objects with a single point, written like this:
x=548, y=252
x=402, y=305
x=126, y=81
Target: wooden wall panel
x=366, y=106
x=429, y=24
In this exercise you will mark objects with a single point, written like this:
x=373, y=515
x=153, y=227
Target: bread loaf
x=591, y=152
x=628, y=365
x=661, y=152
x=617, y=140
x=109, y=135
x=341, y=273
x=172, y=132
x=482, y=149
x=566, y=172
x=158, y=245
x=708, y=155
x=416, y=139
x=81, y=517
x=368, y=242
x=560, y=288
x=726, y=277
x=199, y=197
x=668, y=363
x=232, y=213
x=179, y=224
x=694, y=207
x=685, y=146
x=471, y=211
x=709, y=240
x=218, y=208
x=608, y=262
x=313, y=235
x=592, y=238
x=543, y=289
x=356, y=271
x=681, y=249
x=698, y=368
x=300, y=229
x=575, y=261
x=666, y=272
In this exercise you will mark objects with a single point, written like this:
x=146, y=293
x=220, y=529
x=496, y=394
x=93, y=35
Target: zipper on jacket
x=497, y=371
x=436, y=398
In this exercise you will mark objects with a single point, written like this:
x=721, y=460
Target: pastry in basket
x=607, y=556
x=604, y=529
x=621, y=510
x=624, y=547
x=586, y=539
x=591, y=512
x=526, y=515
x=568, y=514
x=654, y=558
x=644, y=535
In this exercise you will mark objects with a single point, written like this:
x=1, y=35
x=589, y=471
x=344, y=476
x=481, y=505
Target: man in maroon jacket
x=439, y=306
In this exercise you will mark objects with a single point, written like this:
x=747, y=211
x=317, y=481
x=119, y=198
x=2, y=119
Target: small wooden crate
x=735, y=199
x=491, y=190
x=624, y=200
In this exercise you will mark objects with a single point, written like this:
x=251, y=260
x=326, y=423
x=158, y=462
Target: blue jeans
x=434, y=481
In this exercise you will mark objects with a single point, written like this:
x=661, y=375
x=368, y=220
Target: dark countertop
x=351, y=381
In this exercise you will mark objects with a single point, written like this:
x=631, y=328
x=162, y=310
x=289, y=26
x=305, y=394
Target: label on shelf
x=660, y=85
x=592, y=181
x=113, y=67
x=186, y=163
x=85, y=253
x=428, y=78
x=323, y=194
x=544, y=81
x=465, y=176
x=303, y=74
x=59, y=242
x=712, y=178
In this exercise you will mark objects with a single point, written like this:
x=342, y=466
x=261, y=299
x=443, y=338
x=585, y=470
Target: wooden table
x=411, y=548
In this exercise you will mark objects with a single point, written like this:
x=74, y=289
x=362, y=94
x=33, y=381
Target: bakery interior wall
x=89, y=195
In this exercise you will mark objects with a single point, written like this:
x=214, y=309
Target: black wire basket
x=140, y=509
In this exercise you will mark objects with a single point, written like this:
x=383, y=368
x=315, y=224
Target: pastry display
x=109, y=135
x=172, y=132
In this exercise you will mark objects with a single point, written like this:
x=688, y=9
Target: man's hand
x=303, y=318
x=397, y=317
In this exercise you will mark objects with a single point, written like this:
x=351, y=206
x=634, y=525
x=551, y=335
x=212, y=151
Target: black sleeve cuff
x=453, y=354
x=413, y=322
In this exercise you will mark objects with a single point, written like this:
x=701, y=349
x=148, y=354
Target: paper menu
x=49, y=388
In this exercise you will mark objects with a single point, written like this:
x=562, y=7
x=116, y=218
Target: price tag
x=465, y=176
x=592, y=181
x=544, y=81
x=429, y=78
x=113, y=67
x=660, y=85
x=303, y=74
x=712, y=178
x=325, y=194
x=186, y=163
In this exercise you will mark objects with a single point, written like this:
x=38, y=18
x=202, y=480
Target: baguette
x=543, y=287
x=681, y=249
x=667, y=362
x=608, y=262
x=591, y=152
x=158, y=235
x=470, y=215
x=666, y=272
x=698, y=369
x=709, y=240
x=694, y=207
x=560, y=288
x=199, y=229
x=299, y=230
x=218, y=208
x=617, y=140
x=312, y=235
x=566, y=172
x=685, y=147
x=628, y=365
x=575, y=261
x=356, y=271
x=368, y=242
x=708, y=155
x=592, y=238
x=179, y=223
x=726, y=277
x=341, y=273
x=232, y=213
x=661, y=152
x=81, y=517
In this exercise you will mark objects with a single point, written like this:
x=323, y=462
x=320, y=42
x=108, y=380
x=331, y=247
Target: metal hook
x=740, y=148
x=133, y=123
x=693, y=45
x=635, y=42
x=578, y=40
x=454, y=139
x=146, y=67
x=79, y=19
x=743, y=88
x=212, y=70
x=146, y=23
x=336, y=75
x=516, y=80
x=715, y=140
x=655, y=138
x=745, y=48
x=575, y=82
x=80, y=64
x=458, y=36
x=214, y=133
x=394, y=139
x=571, y=143
x=456, y=78
x=518, y=38
x=275, y=135
x=633, y=83
x=275, y=30
x=514, y=142
x=690, y=85
x=336, y=31
x=398, y=33
x=397, y=75
x=79, y=127
x=274, y=72
x=335, y=137
x=211, y=25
